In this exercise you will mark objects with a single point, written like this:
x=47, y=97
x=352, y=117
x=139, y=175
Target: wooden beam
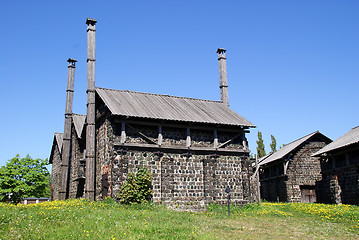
x=286, y=163
x=230, y=140
x=123, y=132
x=160, y=138
x=198, y=149
x=188, y=138
x=244, y=142
x=142, y=134
x=204, y=126
x=215, y=141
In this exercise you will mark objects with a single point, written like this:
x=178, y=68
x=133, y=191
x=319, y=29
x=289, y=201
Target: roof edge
x=157, y=94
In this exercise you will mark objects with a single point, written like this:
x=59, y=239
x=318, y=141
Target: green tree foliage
x=137, y=189
x=261, y=152
x=24, y=177
x=273, y=144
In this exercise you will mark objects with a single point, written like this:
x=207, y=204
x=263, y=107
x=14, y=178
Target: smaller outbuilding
x=291, y=173
x=340, y=170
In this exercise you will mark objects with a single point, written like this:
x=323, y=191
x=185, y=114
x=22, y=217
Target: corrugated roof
x=165, y=107
x=284, y=151
x=351, y=137
x=79, y=122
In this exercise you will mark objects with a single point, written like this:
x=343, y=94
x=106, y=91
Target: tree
x=261, y=152
x=24, y=177
x=273, y=144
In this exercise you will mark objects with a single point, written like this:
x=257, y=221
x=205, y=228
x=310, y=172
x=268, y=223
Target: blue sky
x=292, y=65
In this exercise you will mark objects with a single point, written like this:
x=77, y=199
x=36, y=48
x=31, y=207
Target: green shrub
x=137, y=189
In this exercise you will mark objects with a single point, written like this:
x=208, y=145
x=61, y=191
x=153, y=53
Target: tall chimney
x=90, y=119
x=223, y=85
x=65, y=156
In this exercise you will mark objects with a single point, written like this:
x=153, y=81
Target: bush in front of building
x=137, y=189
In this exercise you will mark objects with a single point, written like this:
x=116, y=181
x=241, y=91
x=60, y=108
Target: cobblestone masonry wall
x=348, y=180
x=187, y=182
x=180, y=180
x=340, y=185
x=104, y=157
x=55, y=174
x=76, y=185
x=303, y=170
x=274, y=190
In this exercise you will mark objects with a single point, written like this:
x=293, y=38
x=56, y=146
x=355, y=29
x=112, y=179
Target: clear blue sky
x=292, y=65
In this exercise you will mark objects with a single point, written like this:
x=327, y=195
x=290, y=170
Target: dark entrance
x=307, y=194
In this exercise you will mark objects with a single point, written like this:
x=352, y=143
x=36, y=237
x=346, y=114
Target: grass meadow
x=80, y=219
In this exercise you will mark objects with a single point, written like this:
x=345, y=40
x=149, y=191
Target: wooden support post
x=123, y=132
x=258, y=186
x=65, y=154
x=244, y=141
x=160, y=138
x=90, y=119
x=188, y=139
x=215, y=141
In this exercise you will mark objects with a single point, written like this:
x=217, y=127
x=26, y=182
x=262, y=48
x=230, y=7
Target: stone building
x=291, y=173
x=55, y=160
x=194, y=148
x=340, y=170
x=77, y=165
x=76, y=180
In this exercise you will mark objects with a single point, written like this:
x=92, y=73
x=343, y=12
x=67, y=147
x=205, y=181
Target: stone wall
x=303, y=172
x=182, y=179
x=76, y=182
x=340, y=183
x=105, y=137
x=274, y=190
x=56, y=173
x=186, y=182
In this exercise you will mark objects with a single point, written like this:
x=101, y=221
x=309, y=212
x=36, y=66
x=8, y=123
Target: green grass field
x=80, y=219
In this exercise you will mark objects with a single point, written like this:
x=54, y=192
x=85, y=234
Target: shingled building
x=194, y=148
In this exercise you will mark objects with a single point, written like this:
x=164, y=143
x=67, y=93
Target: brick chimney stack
x=223, y=84
x=90, y=119
x=65, y=156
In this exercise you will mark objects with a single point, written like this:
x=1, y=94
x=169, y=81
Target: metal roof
x=264, y=157
x=165, y=107
x=351, y=137
x=284, y=151
x=79, y=123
